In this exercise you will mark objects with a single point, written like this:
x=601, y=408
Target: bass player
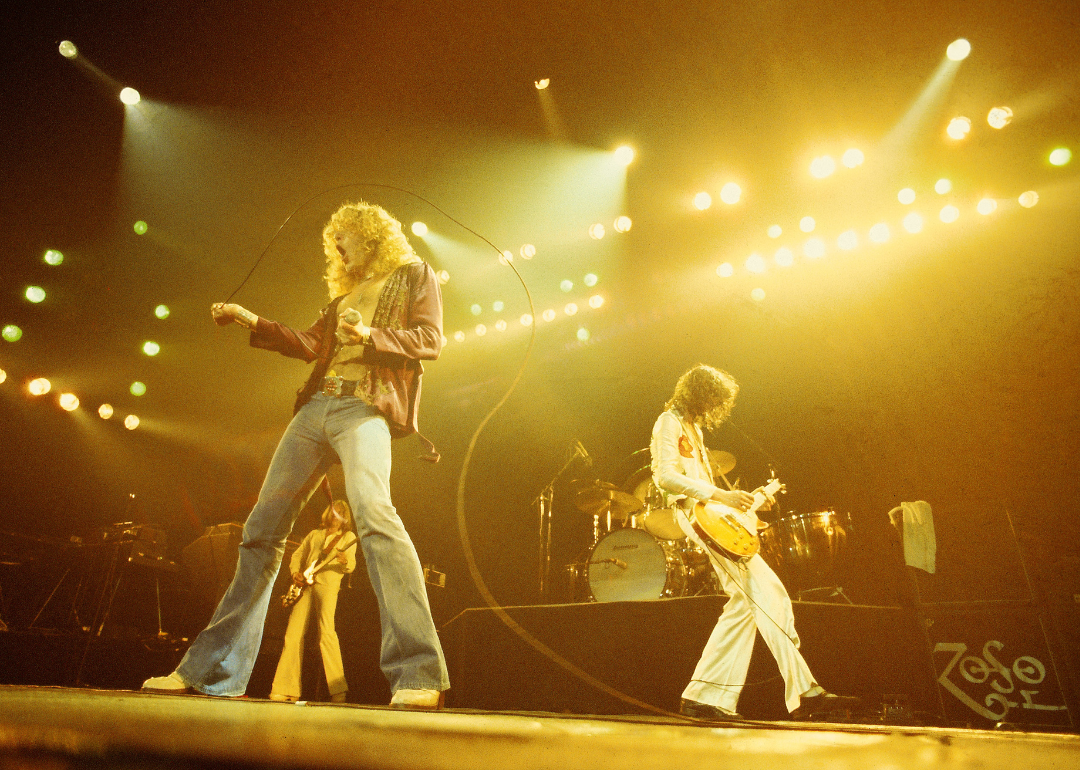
x=758, y=601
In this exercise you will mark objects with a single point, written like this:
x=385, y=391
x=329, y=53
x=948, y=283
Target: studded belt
x=339, y=386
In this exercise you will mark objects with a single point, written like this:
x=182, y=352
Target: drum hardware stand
x=834, y=591
x=543, y=510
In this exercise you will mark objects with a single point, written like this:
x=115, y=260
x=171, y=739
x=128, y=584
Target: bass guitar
x=729, y=532
x=296, y=590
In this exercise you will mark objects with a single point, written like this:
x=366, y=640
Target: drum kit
x=640, y=552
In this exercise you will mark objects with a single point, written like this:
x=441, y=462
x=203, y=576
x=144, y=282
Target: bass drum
x=632, y=565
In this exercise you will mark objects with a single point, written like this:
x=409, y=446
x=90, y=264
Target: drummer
x=758, y=602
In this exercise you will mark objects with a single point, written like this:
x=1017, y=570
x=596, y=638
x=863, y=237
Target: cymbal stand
x=543, y=509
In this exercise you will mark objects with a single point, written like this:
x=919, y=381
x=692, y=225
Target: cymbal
x=721, y=462
x=602, y=498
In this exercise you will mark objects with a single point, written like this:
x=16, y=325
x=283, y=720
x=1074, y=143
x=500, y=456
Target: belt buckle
x=332, y=386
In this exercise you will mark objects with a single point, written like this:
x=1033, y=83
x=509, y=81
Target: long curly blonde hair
x=382, y=238
x=704, y=394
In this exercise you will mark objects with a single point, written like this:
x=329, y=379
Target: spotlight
x=942, y=186
x=53, y=257
x=419, y=229
x=623, y=224
x=597, y=231
x=757, y=294
x=1060, y=156
x=69, y=402
x=852, y=158
x=958, y=128
x=755, y=264
x=775, y=231
x=566, y=285
x=140, y=227
x=1028, y=199
x=459, y=336
x=906, y=196
x=814, y=248
x=822, y=167
x=590, y=280
x=571, y=309
x=949, y=214
x=725, y=270
x=506, y=257
x=137, y=388
x=528, y=251
x=999, y=117
x=702, y=201
x=476, y=310
x=583, y=334
x=68, y=49
x=481, y=330
x=443, y=276
x=848, y=240
x=526, y=320
x=162, y=312
x=542, y=83
x=784, y=257
x=879, y=233
x=500, y=325
x=131, y=422
x=625, y=155
x=151, y=348
x=130, y=96
x=35, y=294
x=498, y=306
x=913, y=223
x=39, y=387
x=958, y=50
x=549, y=315
x=3, y=376
x=730, y=193
x=596, y=301
x=12, y=333
x=807, y=224
x=986, y=206
x=105, y=411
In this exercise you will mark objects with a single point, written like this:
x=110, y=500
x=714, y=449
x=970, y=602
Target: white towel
x=920, y=544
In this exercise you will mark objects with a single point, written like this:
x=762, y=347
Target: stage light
x=542, y=83
x=852, y=158
x=137, y=388
x=35, y=294
x=526, y=320
x=958, y=128
x=755, y=264
x=39, y=386
x=958, y=50
x=879, y=233
x=481, y=330
x=730, y=193
x=913, y=223
x=784, y=257
x=69, y=402
x=590, y=280
x=597, y=231
x=822, y=167
x=757, y=294
x=1060, y=156
x=162, y=312
x=775, y=231
x=506, y=257
x=625, y=155
x=814, y=248
x=459, y=336
x=476, y=310
x=12, y=333
x=583, y=334
x=1028, y=199
x=949, y=214
x=500, y=325
x=986, y=206
x=566, y=285
x=847, y=240
x=443, y=276
x=105, y=411
x=419, y=229
x=725, y=270
x=570, y=309
x=53, y=257
x=528, y=251
x=702, y=201
x=139, y=227
x=549, y=315
x=151, y=348
x=623, y=224
x=999, y=117
x=130, y=96
x=596, y=301
x=942, y=186
x=906, y=196
x=807, y=224
x=68, y=49
x=3, y=376
x=131, y=422
x=498, y=306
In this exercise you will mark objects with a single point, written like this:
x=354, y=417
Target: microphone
x=580, y=450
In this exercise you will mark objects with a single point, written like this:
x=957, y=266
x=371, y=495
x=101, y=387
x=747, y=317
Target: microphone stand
x=543, y=508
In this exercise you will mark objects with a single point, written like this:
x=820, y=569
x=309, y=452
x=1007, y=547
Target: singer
x=758, y=601
x=363, y=392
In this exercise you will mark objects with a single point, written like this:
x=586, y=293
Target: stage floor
x=51, y=728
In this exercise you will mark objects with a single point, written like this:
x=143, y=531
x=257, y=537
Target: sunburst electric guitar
x=729, y=532
x=297, y=589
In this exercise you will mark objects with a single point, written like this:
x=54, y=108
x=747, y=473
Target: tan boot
x=423, y=700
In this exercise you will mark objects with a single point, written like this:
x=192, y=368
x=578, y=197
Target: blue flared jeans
x=220, y=660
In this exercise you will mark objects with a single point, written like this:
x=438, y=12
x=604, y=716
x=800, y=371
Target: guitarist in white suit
x=335, y=545
x=758, y=601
